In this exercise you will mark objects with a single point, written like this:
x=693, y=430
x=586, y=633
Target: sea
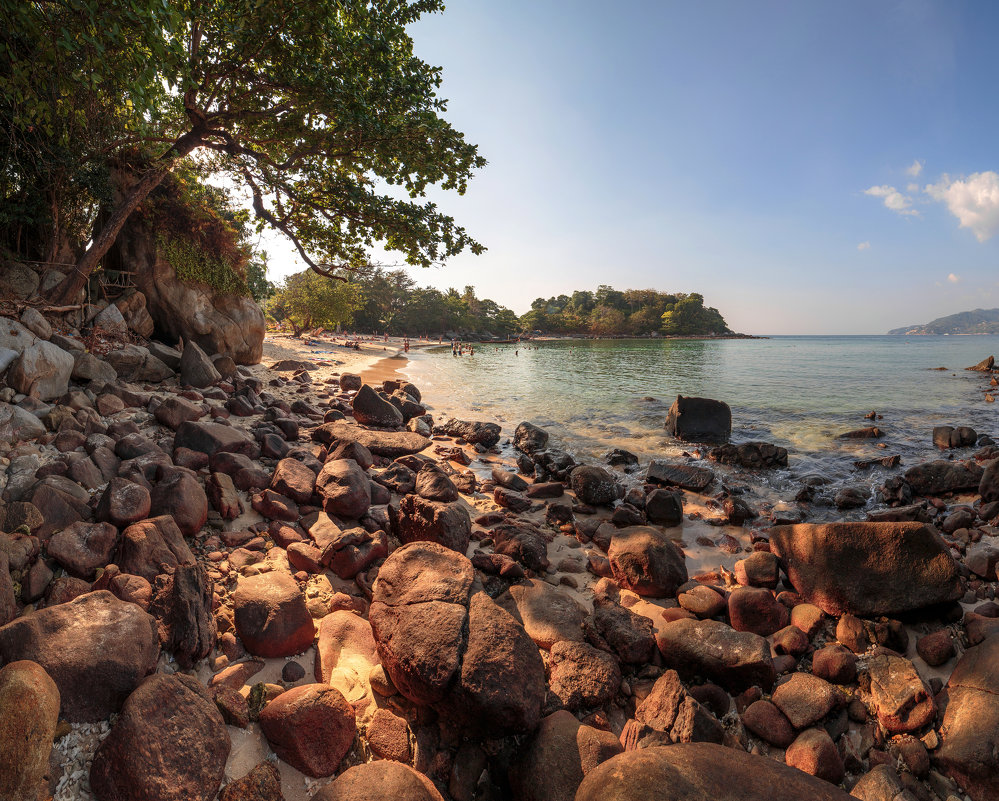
x=799, y=392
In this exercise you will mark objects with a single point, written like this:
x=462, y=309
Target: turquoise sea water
x=798, y=392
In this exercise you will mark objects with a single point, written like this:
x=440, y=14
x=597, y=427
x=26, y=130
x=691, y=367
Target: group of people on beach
x=459, y=349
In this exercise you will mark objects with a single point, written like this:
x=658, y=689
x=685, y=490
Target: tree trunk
x=67, y=289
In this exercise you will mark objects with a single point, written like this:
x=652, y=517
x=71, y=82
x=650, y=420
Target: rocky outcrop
x=867, y=568
x=699, y=420
x=391, y=444
x=751, y=455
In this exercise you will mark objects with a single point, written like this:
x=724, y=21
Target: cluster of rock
x=211, y=521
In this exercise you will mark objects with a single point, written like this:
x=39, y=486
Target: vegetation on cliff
x=979, y=321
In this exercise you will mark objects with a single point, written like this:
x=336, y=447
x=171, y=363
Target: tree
x=688, y=316
x=311, y=106
x=308, y=300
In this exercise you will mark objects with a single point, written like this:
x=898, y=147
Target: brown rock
x=735, y=660
x=182, y=606
x=183, y=498
x=388, y=736
x=900, y=699
x=383, y=780
x=294, y=480
x=814, y=752
x=755, y=609
x=29, y=711
x=151, y=547
x=768, y=723
x=310, y=727
x=936, y=648
x=344, y=488
x=169, y=743
x=805, y=699
x=271, y=615
x=835, y=663
x=647, y=562
x=263, y=783
x=582, y=676
x=547, y=614
x=123, y=503
x=417, y=519
x=81, y=548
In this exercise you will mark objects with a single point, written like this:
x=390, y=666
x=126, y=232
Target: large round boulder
x=310, y=727
x=593, y=485
x=345, y=489
x=29, y=711
x=383, y=780
x=647, y=562
x=371, y=409
x=417, y=519
x=271, y=615
x=699, y=420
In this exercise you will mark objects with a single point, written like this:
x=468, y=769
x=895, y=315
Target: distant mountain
x=979, y=321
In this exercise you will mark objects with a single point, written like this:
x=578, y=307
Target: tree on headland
x=313, y=107
x=689, y=316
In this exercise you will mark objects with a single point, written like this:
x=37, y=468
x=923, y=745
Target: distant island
x=979, y=321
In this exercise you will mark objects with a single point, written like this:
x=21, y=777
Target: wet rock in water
x=688, y=477
x=417, y=519
x=593, y=485
x=182, y=606
x=900, y=514
x=984, y=366
x=850, y=498
x=735, y=660
x=382, y=780
x=373, y=410
x=391, y=444
x=664, y=507
x=96, y=649
x=473, y=432
x=945, y=437
x=344, y=488
x=582, y=676
x=169, y=743
x=939, y=477
x=886, y=461
x=871, y=432
x=443, y=644
x=699, y=420
x=310, y=727
x=552, y=764
x=971, y=722
x=701, y=772
x=647, y=562
x=668, y=708
x=751, y=455
x=619, y=457
x=547, y=614
x=29, y=711
x=271, y=615
x=867, y=568
x=509, y=480
x=900, y=699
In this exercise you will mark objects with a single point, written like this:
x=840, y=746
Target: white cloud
x=915, y=168
x=893, y=199
x=863, y=246
x=953, y=278
x=912, y=188
x=973, y=200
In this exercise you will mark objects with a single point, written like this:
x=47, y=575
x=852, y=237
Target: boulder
x=35, y=321
x=971, y=722
x=18, y=425
x=984, y=366
x=81, y=547
x=176, y=410
x=751, y=455
x=294, y=480
x=664, y=507
x=529, y=438
x=373, y=410
x=647, y=562
x=699, y=420
x=170, y=743
x=865, y=568
x=473, y=432
x=734, y=659
x=29, y=712
x=133, y=311
x=701, y=772
x=382, y=780
x=755, y=609
x=547, y=614
x=182, y=606
x=629, y=635
x=671, y=710
x=988, y=485
x=417, y=519
x=433, y=484
x=310, y=727
x=391, y=444
x=522, y=542
x=582, y=676
x=685, y=476
x=593, y=485
x=813, y=752
x=263, y=783
x=804, y=699
x=123, y=503
x=942, y=476
x=899, y=697
x=18, y=280
x=151, y=547
x=182, y=497
x=42, y=371
x=271, y=615
x=213, y=438
x=552, y=764
x=344, y=488
x=96, y=648
x=196, y=369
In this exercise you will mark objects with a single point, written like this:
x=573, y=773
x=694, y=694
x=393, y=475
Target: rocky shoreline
x=287, y=582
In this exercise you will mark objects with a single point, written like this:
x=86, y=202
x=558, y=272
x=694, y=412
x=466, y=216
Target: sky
x=810, y=168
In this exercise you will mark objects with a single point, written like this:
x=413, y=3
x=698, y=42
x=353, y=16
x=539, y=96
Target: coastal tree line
x=390, y=301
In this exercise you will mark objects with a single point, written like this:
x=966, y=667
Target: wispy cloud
x=915, y=168
x=864, y=246
x=973, y=200
x=953, y=278
x=893, y=199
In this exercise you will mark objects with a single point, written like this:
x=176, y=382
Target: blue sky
x=809, y=167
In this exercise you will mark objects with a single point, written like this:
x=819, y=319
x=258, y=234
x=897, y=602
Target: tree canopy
x=318, y=109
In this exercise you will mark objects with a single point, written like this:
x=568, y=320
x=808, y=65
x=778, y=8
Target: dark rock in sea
x=917, y=514
x=689, y=477
x=699, y=420
x=984, y=366
x=936, y=478
x=619, y=457
x=473, y=432
x=701, y=772
x=867, y=568
x=886, y=461
x=664, y=507
x=872, y=432
x=850, y=498
x=530, y=438
x=553, y=465
x=945, y=437
x=170, y=743
x=752, y=455
x=593, y=485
